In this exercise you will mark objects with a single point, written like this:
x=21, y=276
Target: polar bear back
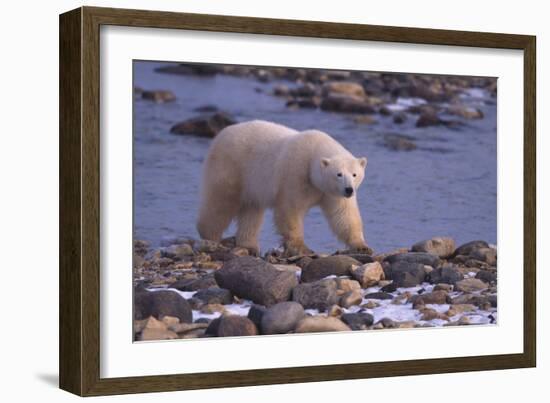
x=261, y=158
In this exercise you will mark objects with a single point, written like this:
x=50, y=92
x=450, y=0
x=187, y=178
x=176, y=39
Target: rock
x=346, y=285
x=360, y=257
x=365, y=119
x=399, y=142
x=281, y=90
x=160, y=304
x=469, y=247
x=466, y=112
x=351, y=298
x=159, y=96
x=206, y=246
x=345, y=103
x=282, y=317
x=399, y=118
x=378, y=295
x=182, y=328
x=457, y=309
x=195, y=284
x=288, y=267
x=212, y=308
x=443, y=287
x=414, y=257
x=256, y=313
x=434, y=297
x=206, y=109
x=252, y=278
x=358, y=321
x=439, y=246
x=447, y=275
x=233, y=325
x=335, y=310
x=170, y=321
x=391, y=287
x=487, y=276
x=178, y=252
x=475, y=299
x=317, y=295
x=407, y=274
x=428, y=118
x=214, y=295
x=338, y=265
x=487, y=255
x=345, y=88
x=190, y=69
x=157, y=334
x=316, y=324
x=470, y=285
x=368, y=274
x=492, y=299
x=205, y=125
x=212, y=329
x=306, y=90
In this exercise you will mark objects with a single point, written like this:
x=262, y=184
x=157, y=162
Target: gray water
x=446, y=187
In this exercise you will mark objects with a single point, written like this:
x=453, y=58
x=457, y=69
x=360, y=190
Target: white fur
x=257, y=165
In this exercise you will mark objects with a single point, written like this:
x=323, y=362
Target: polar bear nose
x=348, y=191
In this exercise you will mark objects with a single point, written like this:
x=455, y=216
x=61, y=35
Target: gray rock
x=439, y=246
x=446, y=275
x=233, y=325
x=487, y=276
x=358, y=321
x=338, y=265
x=282, y=317
x=252, y=278
x=317, y=295
x=414, y=257
x=469, y=247
x=214, y=295
x=160, y=304
x=407, y=274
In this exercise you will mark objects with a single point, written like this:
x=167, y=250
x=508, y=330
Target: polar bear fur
x=256, y=165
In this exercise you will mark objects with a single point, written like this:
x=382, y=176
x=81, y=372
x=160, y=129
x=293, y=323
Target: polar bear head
x=342, y=175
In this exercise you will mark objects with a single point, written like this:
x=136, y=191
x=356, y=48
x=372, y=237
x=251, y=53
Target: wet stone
x=358, y=321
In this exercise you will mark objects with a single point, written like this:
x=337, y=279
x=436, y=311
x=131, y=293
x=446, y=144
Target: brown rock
x=316, y=324
x=368, y=274
x=233, y=325
x=471, y=285
x=158, y=96
x=204, y=126
x=439, y=246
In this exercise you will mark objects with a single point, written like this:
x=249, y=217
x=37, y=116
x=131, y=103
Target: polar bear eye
x=354, y=175
x=339, y=174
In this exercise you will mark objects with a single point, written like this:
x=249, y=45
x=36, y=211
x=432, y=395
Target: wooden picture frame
x=79, y=347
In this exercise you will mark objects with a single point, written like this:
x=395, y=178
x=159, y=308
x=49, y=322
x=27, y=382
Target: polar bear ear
x=325, y=162
x=363, y=161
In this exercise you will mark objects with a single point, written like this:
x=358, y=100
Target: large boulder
x=160, y=304
x=446, y=274
x=252, y=278
x=317, y=295
x=282, y=317
x=337, y=265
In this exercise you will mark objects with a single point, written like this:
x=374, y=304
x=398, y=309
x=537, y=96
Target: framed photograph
x=249, y=201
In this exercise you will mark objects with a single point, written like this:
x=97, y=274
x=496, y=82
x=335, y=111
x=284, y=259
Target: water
x=446, y=187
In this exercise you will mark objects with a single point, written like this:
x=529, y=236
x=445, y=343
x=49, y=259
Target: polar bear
x=256, y=165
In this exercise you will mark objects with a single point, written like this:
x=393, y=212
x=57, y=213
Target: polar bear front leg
x=289, y=221
x=345, y=221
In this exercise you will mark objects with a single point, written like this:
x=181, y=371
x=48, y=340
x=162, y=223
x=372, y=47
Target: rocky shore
x=415, y=100
x=195, y=288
